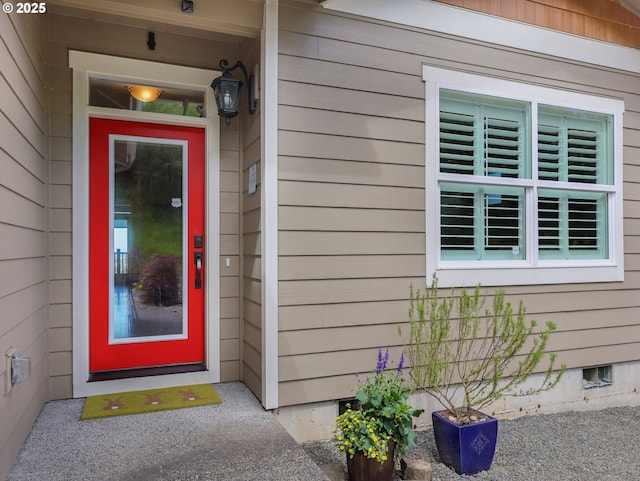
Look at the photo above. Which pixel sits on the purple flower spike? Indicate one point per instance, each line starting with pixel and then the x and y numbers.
pixel 401 363
pixel 382 361
pixel 379 367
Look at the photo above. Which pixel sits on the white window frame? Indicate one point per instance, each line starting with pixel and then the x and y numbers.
pixel 531 270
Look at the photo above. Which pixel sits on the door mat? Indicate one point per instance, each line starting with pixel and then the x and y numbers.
pixel 122 403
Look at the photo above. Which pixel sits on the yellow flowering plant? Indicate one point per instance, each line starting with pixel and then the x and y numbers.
pixel 360 433
pixel 382 414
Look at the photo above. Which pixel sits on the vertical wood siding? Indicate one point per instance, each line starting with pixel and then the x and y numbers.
pixel 352 200
pixel 23 226
pixel 604 20
pixel 66 33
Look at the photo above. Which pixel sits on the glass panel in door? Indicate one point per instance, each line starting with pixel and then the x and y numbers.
pixel 148 240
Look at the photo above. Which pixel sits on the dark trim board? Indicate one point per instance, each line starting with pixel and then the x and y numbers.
pixel 146 371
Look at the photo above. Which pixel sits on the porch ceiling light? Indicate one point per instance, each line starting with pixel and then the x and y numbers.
pixel 228 90
pixel 144 93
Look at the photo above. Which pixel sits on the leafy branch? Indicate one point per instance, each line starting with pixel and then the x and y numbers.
pixel 459 348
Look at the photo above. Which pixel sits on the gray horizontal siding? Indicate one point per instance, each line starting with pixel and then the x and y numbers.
pixel 352 200
pixel 23 196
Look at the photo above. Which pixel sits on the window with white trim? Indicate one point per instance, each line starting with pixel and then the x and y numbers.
pixel 524 183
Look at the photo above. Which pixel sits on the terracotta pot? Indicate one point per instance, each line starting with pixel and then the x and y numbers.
pixel 362 468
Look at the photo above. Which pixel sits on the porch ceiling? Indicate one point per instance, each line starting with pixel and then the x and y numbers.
pixel 225 20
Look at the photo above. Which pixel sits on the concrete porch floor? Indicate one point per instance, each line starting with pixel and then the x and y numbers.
pixel 234 441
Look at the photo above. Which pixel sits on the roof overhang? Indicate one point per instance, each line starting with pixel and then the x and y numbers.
pixel 438 17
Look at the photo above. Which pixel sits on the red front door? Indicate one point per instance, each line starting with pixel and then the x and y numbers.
pixel 146 253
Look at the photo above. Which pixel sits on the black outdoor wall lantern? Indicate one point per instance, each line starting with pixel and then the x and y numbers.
pixel 228 90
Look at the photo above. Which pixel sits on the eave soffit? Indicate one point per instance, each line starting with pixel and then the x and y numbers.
pixel 210 18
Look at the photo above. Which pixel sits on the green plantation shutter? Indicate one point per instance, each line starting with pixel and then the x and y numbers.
pixel 582 155
pixel 481 222
pixel 458 223
pixel 572 225
pixel 503 147
pixel 573 146
pixel 483 135
pixel 458 142
pixel 549 147
pixel 486 137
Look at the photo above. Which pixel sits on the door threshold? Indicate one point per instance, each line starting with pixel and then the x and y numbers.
pixel 145 372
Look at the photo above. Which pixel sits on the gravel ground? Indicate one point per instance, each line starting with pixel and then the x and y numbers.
pixel 572 446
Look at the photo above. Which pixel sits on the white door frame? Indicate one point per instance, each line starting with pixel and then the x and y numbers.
pixel 86 65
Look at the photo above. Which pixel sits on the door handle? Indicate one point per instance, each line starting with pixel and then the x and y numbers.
pixel 197 260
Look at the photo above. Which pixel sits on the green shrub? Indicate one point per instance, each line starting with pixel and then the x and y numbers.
pixel 459 349
pixel 161 280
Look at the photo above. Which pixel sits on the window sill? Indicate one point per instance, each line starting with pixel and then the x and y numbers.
pixel 451 275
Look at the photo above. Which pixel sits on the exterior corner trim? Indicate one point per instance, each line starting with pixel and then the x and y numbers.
pixel 269 211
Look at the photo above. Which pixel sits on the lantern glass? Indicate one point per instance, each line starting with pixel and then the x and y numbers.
pixel 227 93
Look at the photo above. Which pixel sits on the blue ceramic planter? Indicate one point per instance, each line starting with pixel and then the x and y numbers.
pixel 467 448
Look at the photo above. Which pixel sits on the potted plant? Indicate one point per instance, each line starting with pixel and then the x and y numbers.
pixel 379 426
pixel 467 356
